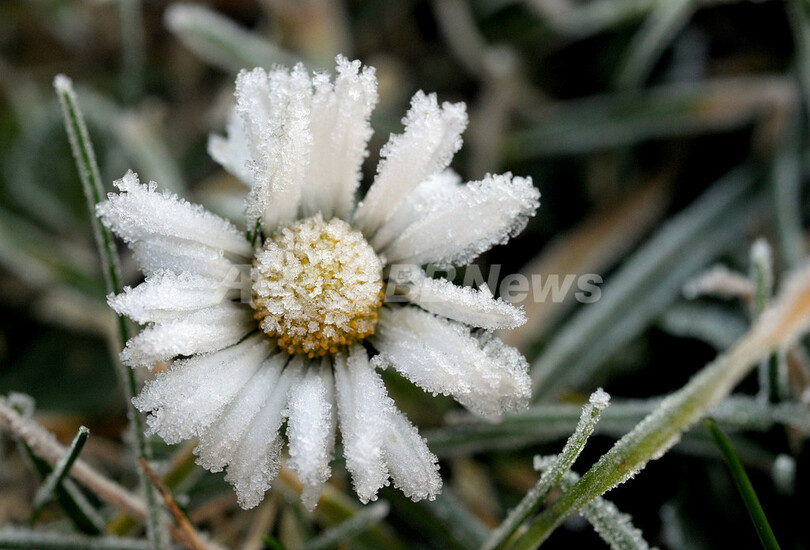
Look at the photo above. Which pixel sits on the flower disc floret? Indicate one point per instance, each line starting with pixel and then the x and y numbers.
pixel 317 286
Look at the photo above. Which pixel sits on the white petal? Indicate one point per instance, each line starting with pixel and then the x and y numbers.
pixel 138 212
pixel 233 152
pixel 341 128
pixel 219 442
pixel 441 356
pixel 431 138
pixel 257 460
pixel 202 331
pixel 275 111
pixel 166 296
pixel 434 190
pixel 169 254
pixel 414 469
pixel 185 399
pixel 311 430
pixel 516 386
pixel 363 410
pixel 464 304
pixel 480 215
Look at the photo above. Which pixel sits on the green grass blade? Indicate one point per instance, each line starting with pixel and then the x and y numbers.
pixel 798 12
pixel 85 157
pixel 665 21
pixel 744 486
pixel 615 528
pixel 61 469
pixel 272 542
pixel 548 422
pixel 70 498
pixel 552 475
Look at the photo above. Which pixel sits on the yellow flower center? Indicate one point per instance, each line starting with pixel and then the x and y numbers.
pixel 317 286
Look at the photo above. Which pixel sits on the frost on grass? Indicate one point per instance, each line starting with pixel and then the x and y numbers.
pixel 761 274
pixel 719 281
pixel 432 136
pixel 554 468
pixel 378 440
pixel 139 213
pixel 442 356
pixel 480 215
pixel 477 308
pixel 783 472
pixel 615 527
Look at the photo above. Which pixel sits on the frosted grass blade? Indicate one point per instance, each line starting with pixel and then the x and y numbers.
pixel 657 31
pixel 60 470
pixel 615 528
pixel 222 42
pixel 547 422
pixel 626 118
pixel 551 476
pixel 86 163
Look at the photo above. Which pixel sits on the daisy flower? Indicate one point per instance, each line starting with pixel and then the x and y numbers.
pixel 303 343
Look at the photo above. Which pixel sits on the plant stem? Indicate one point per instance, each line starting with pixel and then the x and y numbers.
pixel 86 163
pixel 744 486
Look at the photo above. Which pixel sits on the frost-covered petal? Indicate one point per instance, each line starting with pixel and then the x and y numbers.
pixel 341 128
pixel 479 215
pixel 311 430
pixel 275 110
pixel 218 443
pixel 201 331
pixel 432 136
pixel 138 213
pixel 257 460
pixel 414 469
pixel 436 189
pixel 166 296
pixel 363 410
pixel 178 256
pixel 185 399
pixel 441 356
pixel 233 152
pixel 478 308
